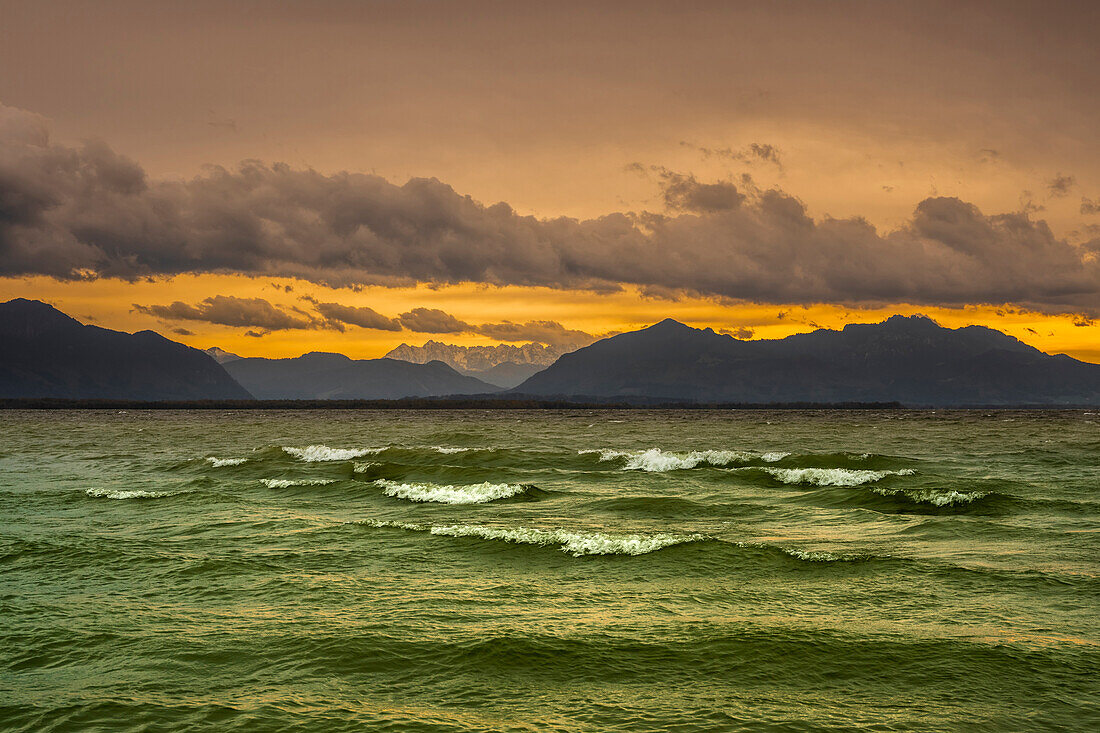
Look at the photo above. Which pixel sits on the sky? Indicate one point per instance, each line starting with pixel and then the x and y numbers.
pixel 281 177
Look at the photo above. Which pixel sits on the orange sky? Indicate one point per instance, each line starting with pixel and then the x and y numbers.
pixel 575 110
pixel 107 303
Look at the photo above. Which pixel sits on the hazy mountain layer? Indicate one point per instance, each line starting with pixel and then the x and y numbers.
pixel 911 360
pixel 48 354
pixel 334 376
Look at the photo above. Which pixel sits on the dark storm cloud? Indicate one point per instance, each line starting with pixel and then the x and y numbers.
pixel 227 310
pixel 88 212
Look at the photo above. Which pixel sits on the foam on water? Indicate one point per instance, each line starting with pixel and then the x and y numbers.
pixel 123 494
pixel 219 462
pixel 937 498
pixel 446 451
pixel 658 461
pixel 282 483
pixel 832 476
pixel 448 494
pixel 574 543
pixel 364 466
pixel 816 556
pixel 318 453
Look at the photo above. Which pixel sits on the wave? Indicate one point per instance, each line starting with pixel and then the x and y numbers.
pixel 574 543
pixel 283 483
pixel 447 451
pixel 935 497
pixel 831 476
pixel 319 453
pixel 219 462
pixel 447 494
pixel 821 556
pixel 124 494
pixel 656 460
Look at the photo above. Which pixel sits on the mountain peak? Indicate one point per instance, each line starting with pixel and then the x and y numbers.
pixel 670 325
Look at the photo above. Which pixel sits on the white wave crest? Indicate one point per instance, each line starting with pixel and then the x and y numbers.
pixel 832 476
pixel 773 456
pixel 440 494
pixel 938 498
pixel 811 556
pixel 364 466
pixel 575 543
pixel 656 460
pixel 122 494
pixel 219 462
pixel 446 451
pixel 282 483
pixel 318 453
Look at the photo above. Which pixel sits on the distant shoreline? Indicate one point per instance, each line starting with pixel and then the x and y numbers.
pixel 457 403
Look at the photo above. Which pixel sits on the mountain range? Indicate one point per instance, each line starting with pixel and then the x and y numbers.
pixel 48 354
pixel 912 360
pixel 503 365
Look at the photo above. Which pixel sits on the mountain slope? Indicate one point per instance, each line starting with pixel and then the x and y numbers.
pixel 48 354
pixel 911 360
pixel 334 376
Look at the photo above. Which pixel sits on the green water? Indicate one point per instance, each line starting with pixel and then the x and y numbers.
pixel 549 571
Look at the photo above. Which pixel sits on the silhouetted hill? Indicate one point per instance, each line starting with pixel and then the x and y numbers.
pixel 911 360
pixel 319 375
pixel 46 353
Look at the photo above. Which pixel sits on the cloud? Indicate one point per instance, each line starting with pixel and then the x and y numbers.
pixel 741 333
pixel 1060 185
pixel 357 316
pixel 432 320
pixel 85 212
pixel 183 332
pixel 227 310
pixel 1088 206
pixel 684 193
pixel 754 152
pixel 550 333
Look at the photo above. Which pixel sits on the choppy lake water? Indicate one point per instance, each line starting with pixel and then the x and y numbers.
pixel 549 571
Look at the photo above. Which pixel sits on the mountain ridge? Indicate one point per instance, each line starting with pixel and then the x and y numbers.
pixel 908 359
pixel 48 353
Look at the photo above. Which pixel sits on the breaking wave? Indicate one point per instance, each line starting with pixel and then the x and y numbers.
pixel 935 497
pixel 656 460
pixel 574 543
pixel 831 476
pixel 447 494
pixel 219 462
pixel 283 483
pixel 318 453
pixel 124 494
